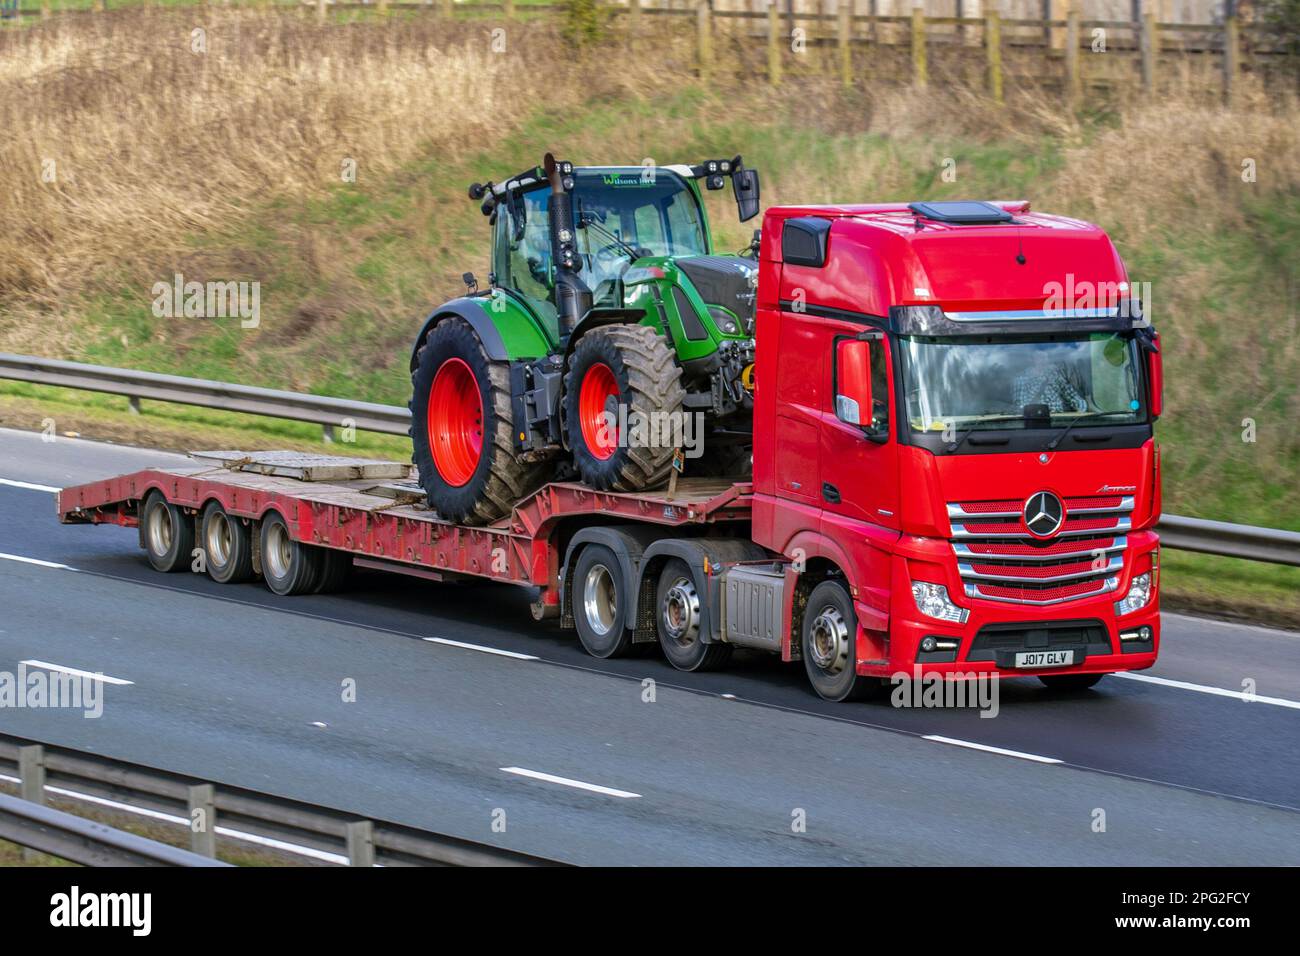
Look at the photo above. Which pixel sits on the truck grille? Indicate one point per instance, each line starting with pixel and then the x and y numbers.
pixel 999 560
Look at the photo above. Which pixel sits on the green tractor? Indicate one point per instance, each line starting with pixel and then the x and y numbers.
pixel 610 339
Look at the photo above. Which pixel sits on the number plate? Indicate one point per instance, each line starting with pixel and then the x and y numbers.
pixel 1045 659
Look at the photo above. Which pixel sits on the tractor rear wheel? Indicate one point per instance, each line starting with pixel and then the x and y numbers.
pixel 622 407
pixel 462 429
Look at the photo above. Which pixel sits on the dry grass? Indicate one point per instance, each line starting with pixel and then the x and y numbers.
pixel 151 142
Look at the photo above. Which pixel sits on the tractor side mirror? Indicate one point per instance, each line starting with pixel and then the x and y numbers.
pixel 744 183
pixel 1156 376
pixel 853 381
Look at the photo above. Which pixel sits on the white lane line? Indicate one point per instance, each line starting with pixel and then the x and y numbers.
pixel 566 782
pixel 36 561
pixel 76 672
pixel 1240 625
pixel 480 647
pixel 29 486
pixel 1216 691
pixel 993 750
pixel 184 821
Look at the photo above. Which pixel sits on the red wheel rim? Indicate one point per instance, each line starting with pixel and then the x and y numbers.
pixel 598 387
pixel 455 422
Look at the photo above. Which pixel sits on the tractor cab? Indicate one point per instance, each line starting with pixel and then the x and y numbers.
pixel 622 215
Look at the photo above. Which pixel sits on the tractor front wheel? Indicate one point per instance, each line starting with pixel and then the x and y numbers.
pixel 623 408
pixel 462 430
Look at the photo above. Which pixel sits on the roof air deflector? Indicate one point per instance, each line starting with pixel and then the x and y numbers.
pixel 961 213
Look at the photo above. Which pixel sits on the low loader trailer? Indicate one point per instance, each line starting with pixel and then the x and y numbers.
pixel 954 473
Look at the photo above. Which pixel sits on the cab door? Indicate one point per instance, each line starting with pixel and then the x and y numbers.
pixel 800 395
pixel 859 453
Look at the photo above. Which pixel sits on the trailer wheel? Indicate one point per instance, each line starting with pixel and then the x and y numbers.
pixel 227 546
pixel 677 616
pixel 1069 682
pixel 830 629
pixel 167 533
pixel 336 571
pixel 289 567
pixel 600 597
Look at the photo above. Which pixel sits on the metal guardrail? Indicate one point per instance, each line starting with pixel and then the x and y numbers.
pixel 204 393
pixel 1230 540
pixel 83 841
pixel 1222 538
pixel 249 817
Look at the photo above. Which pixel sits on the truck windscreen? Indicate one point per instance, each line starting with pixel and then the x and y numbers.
pixel 988 383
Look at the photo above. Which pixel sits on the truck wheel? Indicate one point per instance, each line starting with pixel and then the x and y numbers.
pixel 289 567
pixel 168 534
pixel 462 429
pixel 622 373
pixel 600 599
pixel 336 569
pixel 677 606
pixel 227 546
pixel 1068 682
pixel 830 629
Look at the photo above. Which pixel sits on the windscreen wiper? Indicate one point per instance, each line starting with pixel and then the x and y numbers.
pixel 997 418
pixel 587 222
pixel 1091 416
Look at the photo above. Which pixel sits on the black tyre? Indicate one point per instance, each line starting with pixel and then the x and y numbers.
pixel 600 599
pixel 462 432
pixel 627 372
pixel 336 569
pixel 167 533
pixel 289 567
pixel 677 616
pixel 1070 682
pixel 830 629
pixel 227 543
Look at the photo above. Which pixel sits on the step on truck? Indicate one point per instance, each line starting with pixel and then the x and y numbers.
pixel 954 472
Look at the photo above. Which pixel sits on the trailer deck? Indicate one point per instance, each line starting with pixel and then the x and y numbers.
pixel 375 511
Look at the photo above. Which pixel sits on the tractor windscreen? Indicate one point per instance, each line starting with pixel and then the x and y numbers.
pixel 621 216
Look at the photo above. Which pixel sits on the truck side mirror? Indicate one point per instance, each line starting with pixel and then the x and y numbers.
pixel 1156 376
pixel 853 381
pixel 744 183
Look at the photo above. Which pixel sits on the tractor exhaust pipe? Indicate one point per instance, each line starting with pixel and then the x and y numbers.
pixel 573 299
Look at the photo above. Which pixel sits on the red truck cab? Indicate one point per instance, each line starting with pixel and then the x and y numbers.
pixel 954 418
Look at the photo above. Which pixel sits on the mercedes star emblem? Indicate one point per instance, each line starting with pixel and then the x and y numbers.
pixel 1044 514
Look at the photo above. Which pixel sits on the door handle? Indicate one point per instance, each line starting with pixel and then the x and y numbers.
pixel 830 493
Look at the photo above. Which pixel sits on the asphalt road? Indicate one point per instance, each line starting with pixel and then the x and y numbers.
pixel 235 685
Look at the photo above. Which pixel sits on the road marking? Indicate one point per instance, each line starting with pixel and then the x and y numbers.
pixel 77 673
pixel 1240 625
pixel 566 782
pixel 36 561
pixel 254 838
pixel 1216 691
pixel 29 486
pixel 993 750
pixel 480 647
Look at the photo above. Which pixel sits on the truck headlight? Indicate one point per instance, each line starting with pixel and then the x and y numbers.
pixel 1139 592
pixel 932 600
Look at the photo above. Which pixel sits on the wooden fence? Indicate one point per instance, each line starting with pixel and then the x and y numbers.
pixel 1064 44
